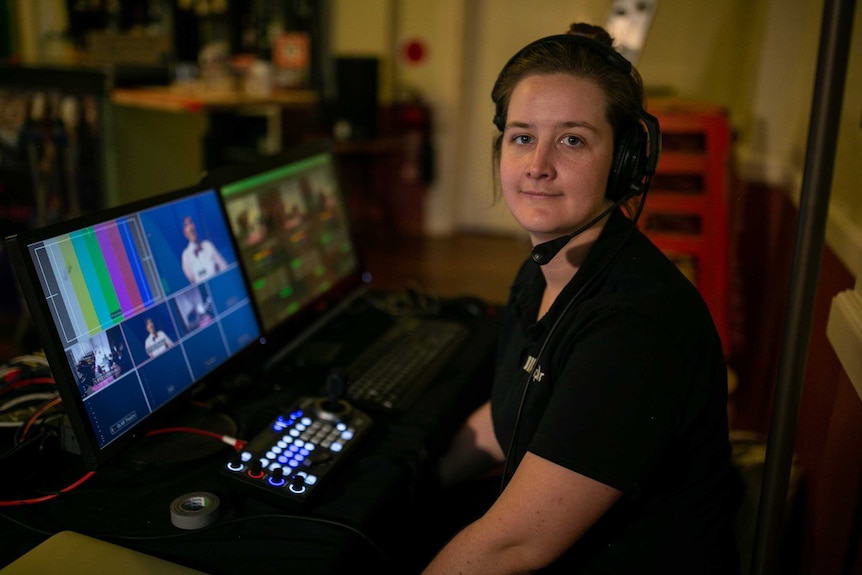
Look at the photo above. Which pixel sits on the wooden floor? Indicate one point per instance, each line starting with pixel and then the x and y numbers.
pixel 460 265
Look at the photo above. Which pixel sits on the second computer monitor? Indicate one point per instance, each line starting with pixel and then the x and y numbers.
pixel 292 230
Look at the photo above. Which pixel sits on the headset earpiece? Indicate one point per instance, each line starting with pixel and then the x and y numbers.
pixel 635 158
pixel 628 168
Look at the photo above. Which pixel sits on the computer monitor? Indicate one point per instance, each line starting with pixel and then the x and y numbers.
pixel 134 306
pixel 293 233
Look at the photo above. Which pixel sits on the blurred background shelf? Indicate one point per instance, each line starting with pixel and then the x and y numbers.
pixel 686 213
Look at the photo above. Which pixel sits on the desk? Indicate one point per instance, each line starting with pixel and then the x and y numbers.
pixel 197 97
pixel 366 517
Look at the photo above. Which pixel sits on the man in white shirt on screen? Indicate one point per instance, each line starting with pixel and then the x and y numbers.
pixel 157 341
pixel 201 260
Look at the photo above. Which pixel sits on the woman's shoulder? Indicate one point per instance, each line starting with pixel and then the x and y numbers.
pixel 643 280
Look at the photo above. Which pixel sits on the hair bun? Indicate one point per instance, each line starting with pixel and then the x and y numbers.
pixel 597 33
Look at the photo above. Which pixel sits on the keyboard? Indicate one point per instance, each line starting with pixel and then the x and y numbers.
pixel 393 372
pixel 291 458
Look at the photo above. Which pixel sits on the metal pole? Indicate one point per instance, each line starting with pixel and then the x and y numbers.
pixel 835 35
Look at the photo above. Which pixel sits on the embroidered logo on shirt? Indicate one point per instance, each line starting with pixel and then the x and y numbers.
pixel 530 366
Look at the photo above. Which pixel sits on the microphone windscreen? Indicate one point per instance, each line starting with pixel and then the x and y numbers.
pixel 540 255
pixel 545 252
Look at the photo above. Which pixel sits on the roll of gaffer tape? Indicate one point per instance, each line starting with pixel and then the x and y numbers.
pixel 194 510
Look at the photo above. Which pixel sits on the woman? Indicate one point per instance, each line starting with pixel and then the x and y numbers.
pixel 608 411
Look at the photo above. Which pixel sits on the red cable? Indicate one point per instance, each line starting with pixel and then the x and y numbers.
pixel 66 489
pixel 25 383
pixel 25 429
pixel 237 444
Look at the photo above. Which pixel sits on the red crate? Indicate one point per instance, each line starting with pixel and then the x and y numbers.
pixel 686 210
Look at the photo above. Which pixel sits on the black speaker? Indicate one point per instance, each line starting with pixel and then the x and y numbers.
pixel 355 111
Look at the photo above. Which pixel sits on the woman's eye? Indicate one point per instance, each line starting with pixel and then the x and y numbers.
pixel 522 139
pixel 572 140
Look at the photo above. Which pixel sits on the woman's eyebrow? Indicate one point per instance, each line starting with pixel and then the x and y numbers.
pixel 567 124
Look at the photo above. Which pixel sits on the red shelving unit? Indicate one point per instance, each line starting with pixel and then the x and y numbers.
pixel 686 211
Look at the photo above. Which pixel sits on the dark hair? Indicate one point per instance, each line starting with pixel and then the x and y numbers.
pixel 620 82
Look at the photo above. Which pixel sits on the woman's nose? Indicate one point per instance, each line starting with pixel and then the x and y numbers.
pixel 541 162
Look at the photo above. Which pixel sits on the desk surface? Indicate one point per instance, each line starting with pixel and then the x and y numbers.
pixel 365 516
pixel 197 97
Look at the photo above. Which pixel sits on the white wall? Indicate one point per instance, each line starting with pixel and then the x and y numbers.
pixel 756 58
pixel 696 48
pixel 780 93
pixel 468 42
pixel 440 78
pixel 775 147
pixel 844 227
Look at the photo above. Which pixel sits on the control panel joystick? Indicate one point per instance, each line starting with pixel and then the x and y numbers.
pixel 333 407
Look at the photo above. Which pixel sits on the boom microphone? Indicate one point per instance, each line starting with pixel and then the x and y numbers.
pixel 545 252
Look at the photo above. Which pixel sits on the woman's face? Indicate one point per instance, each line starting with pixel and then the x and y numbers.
pixel 556 155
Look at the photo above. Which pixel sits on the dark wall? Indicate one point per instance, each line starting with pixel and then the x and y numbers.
pixel 829 436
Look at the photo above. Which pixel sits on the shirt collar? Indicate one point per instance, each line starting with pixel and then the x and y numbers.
pixel 526 300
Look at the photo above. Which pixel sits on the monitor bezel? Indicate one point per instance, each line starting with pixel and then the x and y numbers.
pixel 85 441
pixel 297 325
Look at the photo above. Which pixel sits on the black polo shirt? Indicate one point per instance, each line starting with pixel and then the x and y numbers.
pixel 624 381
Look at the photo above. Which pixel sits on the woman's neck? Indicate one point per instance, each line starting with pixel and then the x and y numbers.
pixel 563 267
pixel 558 273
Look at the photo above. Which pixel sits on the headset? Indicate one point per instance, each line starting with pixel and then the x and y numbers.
pixel 636 153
